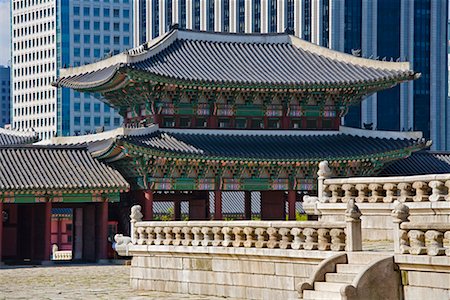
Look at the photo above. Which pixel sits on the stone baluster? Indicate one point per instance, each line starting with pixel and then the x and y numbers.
pixel 326 194
pixel 274 238
pixel 207 236
pixel 335 193
pixel 188 237
pixel 311 242
pixel 142 235
pixel 249 237
pixel 376 190
pixel 400 215
pixel 421 191
pixel 218 236
pixel 227 237
pixel 417 242
pixel 160 236
pixel 238 237
pixel 298 238
pixel 198 236
pixel 168 239
pixel 362 189
pixel 349 192
pixel 405 192
pixel 323 239
pixel 390 189
pixel 323 173
pixel 150 231
pixel 337 239
pixel 437 190
pixel 447 243
pixel 286 238
pixel 135 216
pixel 434 241
pixel 261 238
pixel 353 227
pixel 177 236
pixel 447 196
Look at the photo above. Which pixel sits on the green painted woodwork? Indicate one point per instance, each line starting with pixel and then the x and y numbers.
pixel 24 198
pixel 68 198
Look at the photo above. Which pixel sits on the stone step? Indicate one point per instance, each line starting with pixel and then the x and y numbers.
pixel 329 286
pixel 339 277
pixel 365 258
pixel 349 268
pixel 317 295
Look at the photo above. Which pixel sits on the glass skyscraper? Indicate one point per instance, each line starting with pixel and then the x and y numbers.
pixel 405 30
pixel 50 34
pixel 5 95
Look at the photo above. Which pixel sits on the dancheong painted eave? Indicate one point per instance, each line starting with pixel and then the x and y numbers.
pixel 215 60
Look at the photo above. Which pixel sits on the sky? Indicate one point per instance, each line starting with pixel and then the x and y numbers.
pixel 4 32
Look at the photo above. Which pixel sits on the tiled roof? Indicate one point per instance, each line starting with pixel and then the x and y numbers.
pixel 34 168
pixel 12 137
pixel 246 59
pixel 419 163
pixel 277 146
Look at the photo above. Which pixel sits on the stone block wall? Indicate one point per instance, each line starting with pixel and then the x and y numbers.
pixel 263 274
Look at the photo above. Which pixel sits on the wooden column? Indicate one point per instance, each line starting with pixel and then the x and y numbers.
pixel 103 231
pixel 148 205
pixel 292 195
pixel 1 231
pixel 218 205
pixel 248 205
pixel 48 231
pixel 177 210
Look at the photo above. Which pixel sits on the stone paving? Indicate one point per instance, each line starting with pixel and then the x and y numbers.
pixel 74 282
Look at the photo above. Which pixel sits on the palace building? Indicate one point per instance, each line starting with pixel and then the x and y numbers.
pixel 214 112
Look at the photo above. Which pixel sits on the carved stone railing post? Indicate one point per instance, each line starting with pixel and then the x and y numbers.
pixel 135 216
pixel 323 239
pixel 348 192
pixel 362 189
pixel 177 231
pixel 390 189
pixel 437 190
pixel 262 238
pixel 405 192
pixel 207 236
pixel 160 236
pixel 198 236
pixel 151 236
pixel 376 190
pixel 188 237
pixel 434 240
pixel 353 229
pixel 227 232
pixel 447 185
pixel 238 237
pixel 335 190
pixel 218 236
pixel 447 239
pixel 273 237
pixel 400 214
pixel 323 173
pixel 286 238
pixel 168 239
pixel 298 238
pixel 142 236
pixel 249 237
pixel 417 242
pixel 421 191
pixel 337 239
pixel 311 242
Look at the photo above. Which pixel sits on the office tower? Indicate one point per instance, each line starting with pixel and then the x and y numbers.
pixel 411 30
pixel 5 95
pixel 50 34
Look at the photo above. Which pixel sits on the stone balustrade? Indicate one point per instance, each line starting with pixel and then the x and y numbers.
pixel 307 235
pixel 418 238
pixel 62 255
pixel 418 188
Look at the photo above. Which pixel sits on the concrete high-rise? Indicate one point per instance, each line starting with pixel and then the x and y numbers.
pixel 5 95
pixel 50 34
pixel 412 30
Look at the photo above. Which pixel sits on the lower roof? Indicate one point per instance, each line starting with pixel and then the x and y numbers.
pixel 419 163
pixel 13 137
pixel 55 169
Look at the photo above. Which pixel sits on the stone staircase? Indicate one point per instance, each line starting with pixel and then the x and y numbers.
pixel 354 276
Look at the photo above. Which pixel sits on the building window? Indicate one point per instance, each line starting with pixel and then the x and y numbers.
pixel 126 41
pixel 106 40
pixel 106 26
pixel 96 25
pixel 86 11
pixel 256 15
pixel 76 38
pixel 155 18
pixel 325 22
pixel 76 106
pixel 126 27
pixel 97 121
pixel 241 16
pixel 290 15
pixel 76 11
pixel 87 107
pixel 226 15
pixel 87 39
pixel 76 121
pixel 196 15
pixel 106 12
pixel 116 26
pixel 96 12
pixel 168 14
pixel 96 39
pixel 86 25
pixel 126 13
pixel 116 13
pixel 182 14
pixel 210 15
pixel 76 24
pixel 87 121
pixel 272 16
pixel 307 20
pixel 116 121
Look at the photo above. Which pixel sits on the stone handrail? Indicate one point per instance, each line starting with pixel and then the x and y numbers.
pixel 419 238
pixel 382 189
pixel 307 235
pixel 62 255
